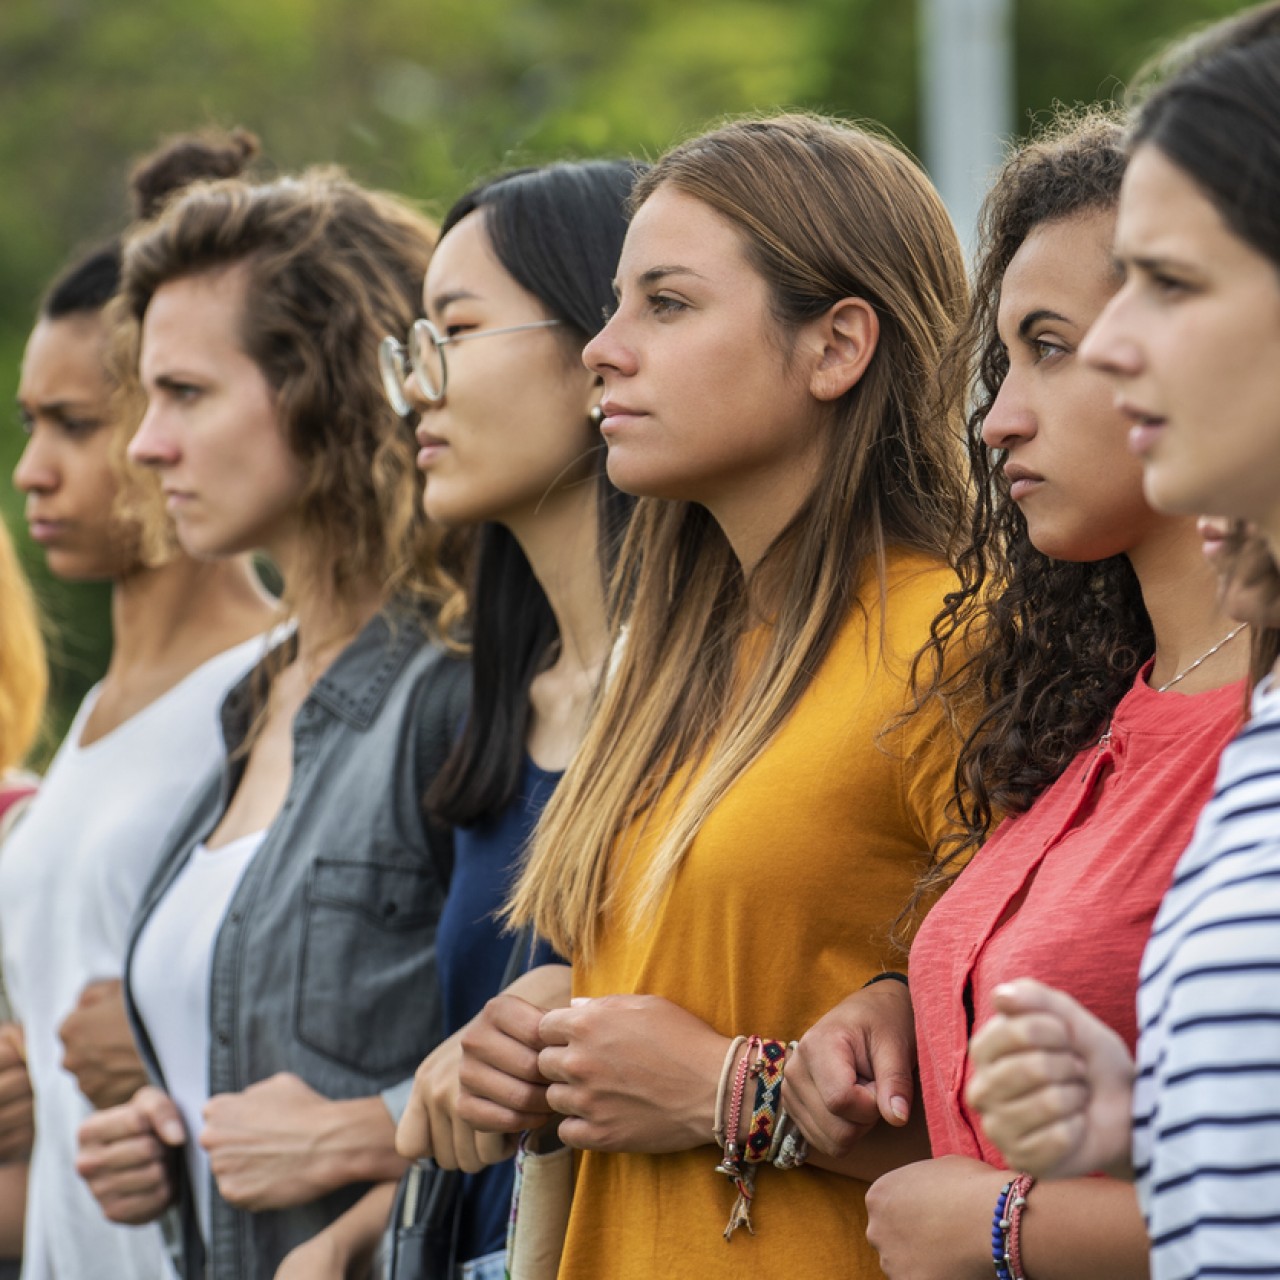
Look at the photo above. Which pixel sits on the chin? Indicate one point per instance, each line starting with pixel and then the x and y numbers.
pixel 1164 493
pixel 71 566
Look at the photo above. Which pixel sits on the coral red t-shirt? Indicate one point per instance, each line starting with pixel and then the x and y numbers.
pixel 1066 892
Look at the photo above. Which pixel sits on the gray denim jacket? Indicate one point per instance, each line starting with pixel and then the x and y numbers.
pixel 325 961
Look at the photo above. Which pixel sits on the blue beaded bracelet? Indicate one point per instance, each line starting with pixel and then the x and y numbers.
pixel 1004 1222
pixel 1000 1234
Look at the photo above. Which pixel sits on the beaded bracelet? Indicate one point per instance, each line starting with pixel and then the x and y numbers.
pixel 731 1165
pixel 717 1132
pixel 1021 1187
pixel 1006 1228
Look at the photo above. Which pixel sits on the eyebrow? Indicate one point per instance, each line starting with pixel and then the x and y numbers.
pixel 1155 263
pixel 58 407
pixel 445 300
pixel 172 380
pixel 1033 318
pixel 655 274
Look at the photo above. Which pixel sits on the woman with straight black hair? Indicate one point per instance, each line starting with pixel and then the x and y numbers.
pixel 509 445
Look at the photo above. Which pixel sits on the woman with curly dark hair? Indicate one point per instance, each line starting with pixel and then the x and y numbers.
pixel 1102 681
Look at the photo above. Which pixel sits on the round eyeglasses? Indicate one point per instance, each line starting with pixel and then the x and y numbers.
pixel 423 358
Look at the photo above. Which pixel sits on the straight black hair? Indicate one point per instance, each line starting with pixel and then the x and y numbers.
pixel 558 233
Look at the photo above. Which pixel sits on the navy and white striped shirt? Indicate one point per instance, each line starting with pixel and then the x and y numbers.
pixel 1206 1128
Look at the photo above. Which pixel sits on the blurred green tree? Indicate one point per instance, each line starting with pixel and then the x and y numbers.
pixel 424 96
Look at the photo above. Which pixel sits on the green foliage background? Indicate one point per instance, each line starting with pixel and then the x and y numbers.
pixel 424 96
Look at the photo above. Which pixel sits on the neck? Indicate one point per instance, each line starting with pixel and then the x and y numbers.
pixel 155 611
pixel 753 514
pixel 1181 593
pixel 324 622
pixel 561 543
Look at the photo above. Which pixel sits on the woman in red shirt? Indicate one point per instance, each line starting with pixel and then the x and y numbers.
pixel 1107 681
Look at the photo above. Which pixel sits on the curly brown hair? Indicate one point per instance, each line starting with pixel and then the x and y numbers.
pixel 331 268
pixel 1036 652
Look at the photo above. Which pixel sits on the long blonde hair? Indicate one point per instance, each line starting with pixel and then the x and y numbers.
pixel 826 211
pixel 24 672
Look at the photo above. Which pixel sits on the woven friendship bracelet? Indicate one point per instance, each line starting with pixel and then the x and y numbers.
pixel 768 1069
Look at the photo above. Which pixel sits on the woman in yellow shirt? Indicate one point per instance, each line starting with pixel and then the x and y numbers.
pixel 747 815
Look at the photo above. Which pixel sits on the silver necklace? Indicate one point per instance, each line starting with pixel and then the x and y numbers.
pixel 1105 740
pixel 1204 657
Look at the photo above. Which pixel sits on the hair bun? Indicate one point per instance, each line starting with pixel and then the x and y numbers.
pixel 188 158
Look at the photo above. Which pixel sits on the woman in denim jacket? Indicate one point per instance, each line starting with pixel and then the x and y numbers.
pixel 281 972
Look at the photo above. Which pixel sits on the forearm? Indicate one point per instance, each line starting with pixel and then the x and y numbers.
pixel 13 1202
pixel 356 1233
pixel 882 1148
pixel 1084 1227
pixel 357 1144
pixel 549 986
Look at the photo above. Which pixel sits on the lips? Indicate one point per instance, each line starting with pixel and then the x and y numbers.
pixel 617 415
pixel 429 448
pixel 1022 480
pixel 1145 429
pixel 43 530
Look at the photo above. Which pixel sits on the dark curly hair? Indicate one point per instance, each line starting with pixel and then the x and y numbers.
pixel 1033 653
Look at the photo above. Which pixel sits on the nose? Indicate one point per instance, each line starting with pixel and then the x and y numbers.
pixel 152 445
pixel 37 469
pixel 419 402
pixel 608 351
pixel 1110 345
pixel 1010 419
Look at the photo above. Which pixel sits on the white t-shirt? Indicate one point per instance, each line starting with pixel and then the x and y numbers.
pixel 170 975
pixel 1206 1127
pixel 71 876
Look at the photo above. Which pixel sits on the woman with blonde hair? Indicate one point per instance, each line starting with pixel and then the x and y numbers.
pixel 747 814
pixel 281 972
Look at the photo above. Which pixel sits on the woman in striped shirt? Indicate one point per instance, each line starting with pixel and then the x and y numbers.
pixel 1193 343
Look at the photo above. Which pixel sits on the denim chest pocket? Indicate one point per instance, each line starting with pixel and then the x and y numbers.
pixel 368 994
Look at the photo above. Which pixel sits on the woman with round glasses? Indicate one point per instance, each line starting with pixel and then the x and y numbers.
pixel 424 359
pixel 281 973
pixel 510 446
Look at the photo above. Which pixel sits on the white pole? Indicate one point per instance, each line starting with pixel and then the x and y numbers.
pixel 967 89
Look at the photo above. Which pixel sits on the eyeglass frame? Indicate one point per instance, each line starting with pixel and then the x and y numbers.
pixel 396 359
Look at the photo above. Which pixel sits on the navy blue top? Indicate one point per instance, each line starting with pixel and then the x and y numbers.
pixel 472 955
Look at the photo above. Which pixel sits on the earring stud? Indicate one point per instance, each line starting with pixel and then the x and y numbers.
pixel 596 416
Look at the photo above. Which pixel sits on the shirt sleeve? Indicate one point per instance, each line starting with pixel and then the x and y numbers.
pixel 1214 1176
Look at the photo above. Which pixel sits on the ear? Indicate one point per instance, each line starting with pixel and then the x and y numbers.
pixel 843 340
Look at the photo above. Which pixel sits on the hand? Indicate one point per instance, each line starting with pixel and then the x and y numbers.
pixel 932 1220
pixel 125 1154
pixel 500 1087
pixel 431 1126
pixel 1054 1085
pixel 631 1073
pixel 17 1116
pixel 98 1046
pixel 280 1144
pixel 852 1067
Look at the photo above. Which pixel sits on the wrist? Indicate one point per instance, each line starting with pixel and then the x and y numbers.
pixel 355 1143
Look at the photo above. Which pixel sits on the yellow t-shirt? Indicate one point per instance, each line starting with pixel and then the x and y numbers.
pixel 780 909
